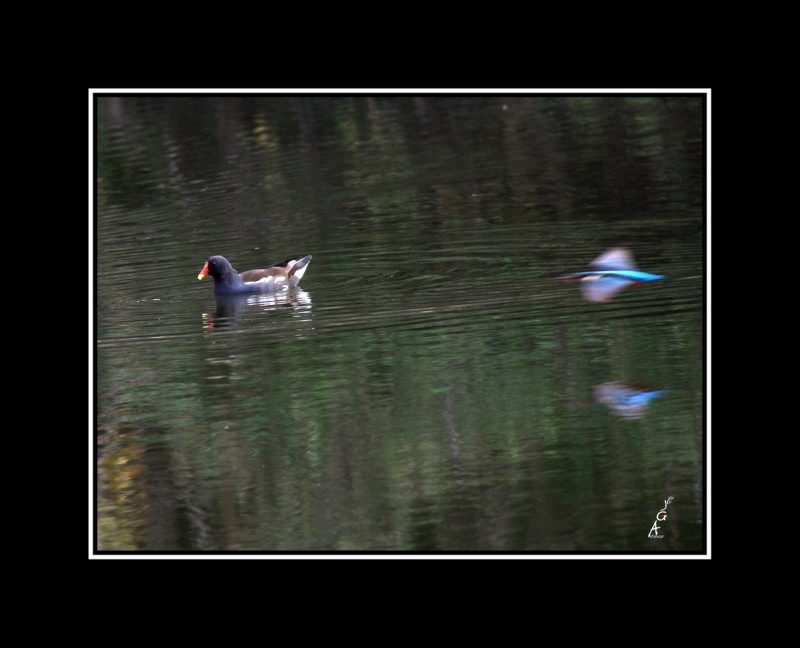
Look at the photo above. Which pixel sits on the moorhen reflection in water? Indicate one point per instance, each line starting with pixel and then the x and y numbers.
pixel 229 307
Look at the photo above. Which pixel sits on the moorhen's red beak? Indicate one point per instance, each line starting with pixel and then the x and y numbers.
pixel 204 271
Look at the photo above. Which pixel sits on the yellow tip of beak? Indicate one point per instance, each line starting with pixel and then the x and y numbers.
pixel 200 276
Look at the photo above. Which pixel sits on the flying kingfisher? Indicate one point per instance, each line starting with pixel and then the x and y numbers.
pixel 615 270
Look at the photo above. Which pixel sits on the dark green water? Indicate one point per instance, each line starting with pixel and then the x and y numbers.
pixel 427 387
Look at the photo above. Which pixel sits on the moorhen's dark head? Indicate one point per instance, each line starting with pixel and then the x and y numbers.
pixel 216 266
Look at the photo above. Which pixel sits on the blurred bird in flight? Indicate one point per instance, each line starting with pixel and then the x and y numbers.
pixel 613 271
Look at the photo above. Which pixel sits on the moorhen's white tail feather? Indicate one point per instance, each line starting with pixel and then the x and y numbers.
pixel 298 270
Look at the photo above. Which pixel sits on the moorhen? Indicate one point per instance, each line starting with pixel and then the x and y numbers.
pixel 228 282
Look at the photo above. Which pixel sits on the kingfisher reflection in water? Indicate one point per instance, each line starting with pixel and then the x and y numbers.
pixel 628 400
pixel 614 271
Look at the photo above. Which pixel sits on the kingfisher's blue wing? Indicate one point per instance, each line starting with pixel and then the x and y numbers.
pixel 615 259
pixel 600 288
pixel 633 275
pixel 643 398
